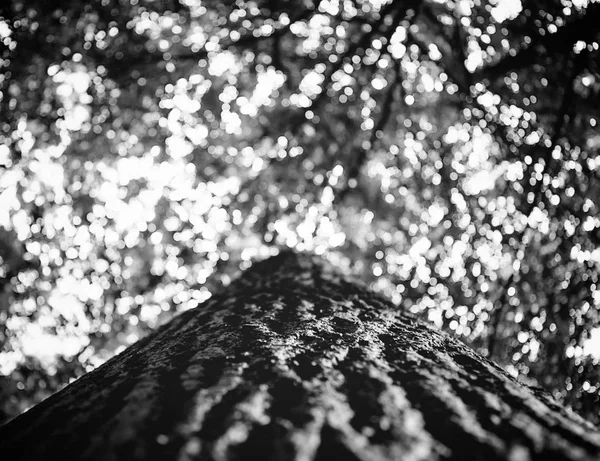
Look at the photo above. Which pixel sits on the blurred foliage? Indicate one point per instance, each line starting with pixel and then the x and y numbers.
pixel 446 152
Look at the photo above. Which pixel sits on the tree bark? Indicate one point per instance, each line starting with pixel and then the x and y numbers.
pixel 294 362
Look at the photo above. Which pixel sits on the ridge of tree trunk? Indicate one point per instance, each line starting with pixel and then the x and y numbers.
pixel 294 362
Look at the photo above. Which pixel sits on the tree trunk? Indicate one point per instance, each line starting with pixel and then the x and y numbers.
pixel 294 362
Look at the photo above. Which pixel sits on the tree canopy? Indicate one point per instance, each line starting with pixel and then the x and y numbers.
pixel 446 152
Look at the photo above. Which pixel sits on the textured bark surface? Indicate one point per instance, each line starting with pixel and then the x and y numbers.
pixel 292 362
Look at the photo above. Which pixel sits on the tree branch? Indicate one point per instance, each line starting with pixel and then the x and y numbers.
pixel 585 28
pixel 578 64
pixel 363 152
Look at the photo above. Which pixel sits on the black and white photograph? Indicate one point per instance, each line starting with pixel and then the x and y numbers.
pixel 300 230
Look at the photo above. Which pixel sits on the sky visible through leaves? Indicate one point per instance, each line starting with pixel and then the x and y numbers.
pixel 444 152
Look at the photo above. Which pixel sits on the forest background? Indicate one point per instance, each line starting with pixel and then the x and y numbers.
pixel 444 152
